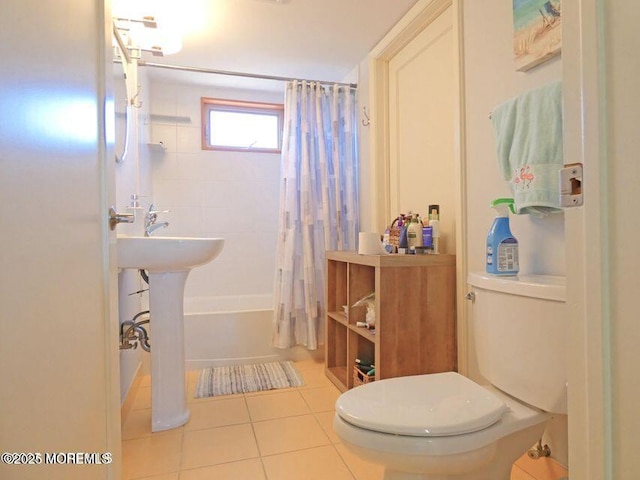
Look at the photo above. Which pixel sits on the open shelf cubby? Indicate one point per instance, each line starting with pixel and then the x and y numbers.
pixel 415 316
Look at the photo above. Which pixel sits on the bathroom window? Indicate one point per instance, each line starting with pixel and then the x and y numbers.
pixel 241 126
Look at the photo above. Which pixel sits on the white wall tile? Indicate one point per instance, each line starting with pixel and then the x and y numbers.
pixel 188 104
pixel 213 167
pixel 233 195
pixel 163 100
pixel 166 167
pixel 177 193
pixel 165 134
pixel 188 139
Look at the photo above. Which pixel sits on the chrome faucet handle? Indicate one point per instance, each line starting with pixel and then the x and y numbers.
pixel 149 219
pixel 115 218
pixel 153 211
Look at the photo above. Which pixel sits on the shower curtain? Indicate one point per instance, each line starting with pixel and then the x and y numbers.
pixel 318 205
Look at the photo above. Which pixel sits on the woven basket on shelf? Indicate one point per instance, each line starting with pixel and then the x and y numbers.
pixel 360 378
pixel 394 233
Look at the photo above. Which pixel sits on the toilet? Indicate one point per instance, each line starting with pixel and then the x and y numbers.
pixel 444 426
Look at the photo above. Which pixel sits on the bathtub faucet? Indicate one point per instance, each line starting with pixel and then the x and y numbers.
pixel 150 219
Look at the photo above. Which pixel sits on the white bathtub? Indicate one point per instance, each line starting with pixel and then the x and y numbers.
pixel 231 330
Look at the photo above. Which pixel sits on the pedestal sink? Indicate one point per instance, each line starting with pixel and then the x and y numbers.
pixel 168 261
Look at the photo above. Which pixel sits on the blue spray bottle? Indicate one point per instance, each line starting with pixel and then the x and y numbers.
pixel 502 246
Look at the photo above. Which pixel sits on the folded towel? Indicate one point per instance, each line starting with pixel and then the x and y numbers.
pixel 528 132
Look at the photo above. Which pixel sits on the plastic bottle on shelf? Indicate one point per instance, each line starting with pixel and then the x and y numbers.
pixel 414 233
pixel 434 223
pixel 402 241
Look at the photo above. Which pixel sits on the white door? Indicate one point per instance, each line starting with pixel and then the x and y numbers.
pixel 58 346
pixel 421 127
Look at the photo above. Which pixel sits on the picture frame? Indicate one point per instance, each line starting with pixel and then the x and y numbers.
pixel 537 32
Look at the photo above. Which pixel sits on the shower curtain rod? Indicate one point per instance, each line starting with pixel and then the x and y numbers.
pixel 144 63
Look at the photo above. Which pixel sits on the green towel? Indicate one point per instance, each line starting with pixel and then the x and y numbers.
pixel 528 131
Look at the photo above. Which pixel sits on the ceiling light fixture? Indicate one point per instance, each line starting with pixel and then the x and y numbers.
pixel 145 35
pixel 148 21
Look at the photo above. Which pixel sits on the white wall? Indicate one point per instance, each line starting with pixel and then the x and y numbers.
pixel 367 194
pixel 490 79
pixel 233 195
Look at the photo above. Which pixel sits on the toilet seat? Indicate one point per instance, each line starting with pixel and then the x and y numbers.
pixel 435 405
pixel 517 417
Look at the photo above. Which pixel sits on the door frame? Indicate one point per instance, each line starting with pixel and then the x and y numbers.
pixel 423 13
pixel 585 141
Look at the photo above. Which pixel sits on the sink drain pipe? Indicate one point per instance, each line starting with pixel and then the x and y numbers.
pixel 132 333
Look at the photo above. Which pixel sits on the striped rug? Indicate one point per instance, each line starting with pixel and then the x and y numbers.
pixel 227 380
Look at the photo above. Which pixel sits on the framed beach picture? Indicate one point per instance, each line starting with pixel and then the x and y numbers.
pixel 537 32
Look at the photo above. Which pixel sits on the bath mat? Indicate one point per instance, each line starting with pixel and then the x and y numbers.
pixel 216 381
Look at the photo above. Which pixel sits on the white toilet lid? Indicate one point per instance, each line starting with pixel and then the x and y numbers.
pixel 434 405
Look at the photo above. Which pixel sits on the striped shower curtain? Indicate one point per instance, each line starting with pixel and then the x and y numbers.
pixel 318 205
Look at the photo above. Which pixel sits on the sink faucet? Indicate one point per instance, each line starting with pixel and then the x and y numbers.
pixel 150 218
pixel 152 228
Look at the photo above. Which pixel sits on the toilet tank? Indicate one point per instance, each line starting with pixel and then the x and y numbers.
pixel 519 328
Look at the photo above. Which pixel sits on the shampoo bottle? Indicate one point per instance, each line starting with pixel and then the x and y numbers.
pixel 502 246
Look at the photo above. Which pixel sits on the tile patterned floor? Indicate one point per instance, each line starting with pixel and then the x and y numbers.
pixel 275 435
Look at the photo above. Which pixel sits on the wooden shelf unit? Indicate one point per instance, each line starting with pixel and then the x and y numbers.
pixel 415 303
